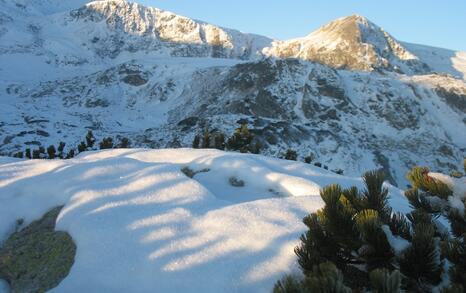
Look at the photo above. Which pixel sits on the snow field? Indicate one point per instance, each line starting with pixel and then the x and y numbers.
pixel 141 225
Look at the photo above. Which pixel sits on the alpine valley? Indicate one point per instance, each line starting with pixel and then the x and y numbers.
pixel 350 93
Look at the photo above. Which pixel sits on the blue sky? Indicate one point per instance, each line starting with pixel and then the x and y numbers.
pixel 430 22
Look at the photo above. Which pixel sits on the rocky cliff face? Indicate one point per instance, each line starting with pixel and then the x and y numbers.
pixel 349 92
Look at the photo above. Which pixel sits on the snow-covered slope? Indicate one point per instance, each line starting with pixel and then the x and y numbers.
pixel 441 60
pixel 121 69
pixel 141 225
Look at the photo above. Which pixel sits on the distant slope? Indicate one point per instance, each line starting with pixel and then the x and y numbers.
pixel 441 60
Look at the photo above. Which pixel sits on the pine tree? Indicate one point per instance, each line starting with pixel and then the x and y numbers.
pixel 288 284
pixel 61 149
pixel 219 141
pixel 384 281
pixel 206 139
pixel 90 139
pixel 291 155
pixel 82 147
pixel 106 143
pixel 196 141
pixel 124 143
pixel 348 230
pixel 241 140
pixel 420 179
pixel 36 154
pixel 19 155
pixel 375 195
pixel 51 151
pixel 325 278
pixel 310 158
pixel 28 153
pixel 256 148
pixel 421 262
pixel 70 154
pixel 455 251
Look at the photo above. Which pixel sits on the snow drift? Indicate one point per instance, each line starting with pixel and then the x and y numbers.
pixel 141 225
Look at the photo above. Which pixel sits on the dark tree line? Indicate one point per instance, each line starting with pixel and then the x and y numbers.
pixel 87 144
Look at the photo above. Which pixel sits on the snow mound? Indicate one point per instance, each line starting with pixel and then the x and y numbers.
pixel 142 225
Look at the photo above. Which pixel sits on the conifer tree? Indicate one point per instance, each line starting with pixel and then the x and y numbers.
pixel 28 153
pixel 291 155
pixel 206 139
pixel 19 155
pixel 70 154
pixel 124 143
pixel 106 143
pixel 90 139
pixel 310 158
pixel 51 151
pixel 384 281
pixel 352 232
pixel 196 141
pixel 241 140
pixel 420 262
pixel 61 149
pixel 219 141
pixel 82 147
pixel 36 154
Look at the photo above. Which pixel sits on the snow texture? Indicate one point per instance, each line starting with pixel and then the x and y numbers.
pixel 141 225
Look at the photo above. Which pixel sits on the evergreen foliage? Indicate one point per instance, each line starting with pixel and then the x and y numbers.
pixel 243 141
pixel 61 149
pixel 51 151
pixel 323 278
pixel 90 139
pixel 28 153
pixel 352 232
pixel 310 158
pixel 421 262
pixel 36 154
pixel 196 142
pixel 124 143
pixel 291 155
pixel 70 154
pixel 206 139
pixel 420 179
pixel 106 143
pixel 384 281
pixel 219 141
pixel 288 284
pixel 375 195
pixel 82 147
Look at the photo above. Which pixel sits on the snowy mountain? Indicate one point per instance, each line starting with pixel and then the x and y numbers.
pixel 350 92
pixel 351 43
pixel 141 225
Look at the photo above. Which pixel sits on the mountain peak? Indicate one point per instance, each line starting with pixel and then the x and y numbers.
pixel 351 42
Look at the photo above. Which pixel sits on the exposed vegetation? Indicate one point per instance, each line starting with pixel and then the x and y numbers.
pixel 349 245
pixel 36 258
